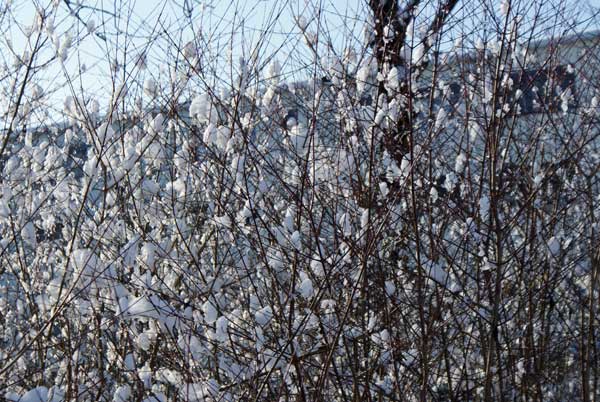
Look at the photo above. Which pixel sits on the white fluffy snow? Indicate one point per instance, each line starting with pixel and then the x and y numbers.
pixel 263 316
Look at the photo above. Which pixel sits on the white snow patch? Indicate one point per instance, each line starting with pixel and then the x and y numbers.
pixel 210 312
pixel 263 316
pixel 38 394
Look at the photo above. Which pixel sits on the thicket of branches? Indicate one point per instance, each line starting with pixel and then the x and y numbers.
pixel 394 203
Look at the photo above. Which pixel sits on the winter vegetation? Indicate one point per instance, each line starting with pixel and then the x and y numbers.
pixel 396 201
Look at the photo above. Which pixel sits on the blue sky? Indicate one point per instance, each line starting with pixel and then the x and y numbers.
pixel 217 18
pixel 216 23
